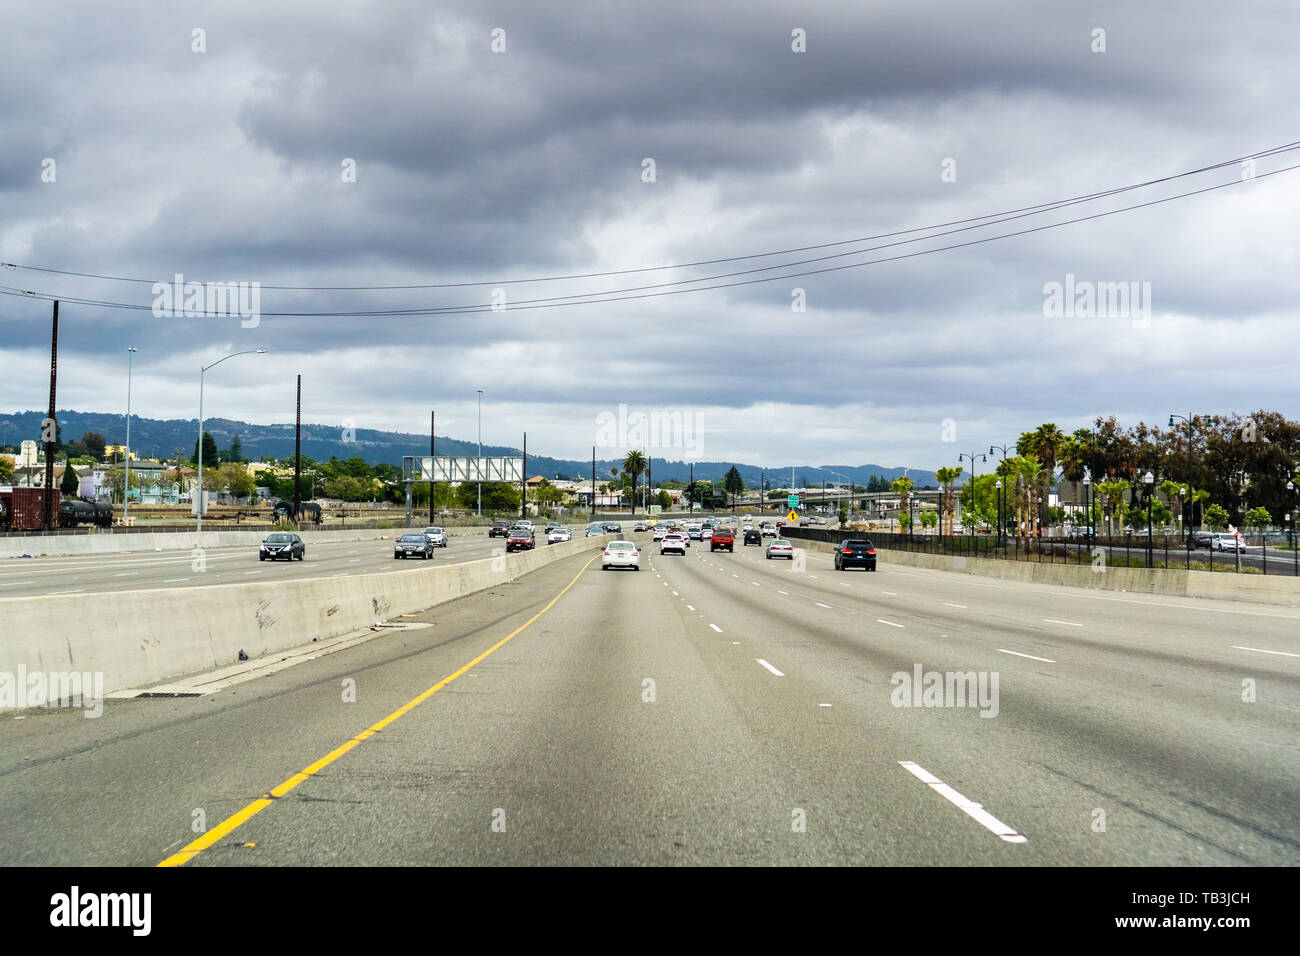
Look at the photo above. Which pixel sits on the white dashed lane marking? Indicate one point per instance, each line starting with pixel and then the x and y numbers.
pixel 770 667
pixel 1030 656
pixel 969 807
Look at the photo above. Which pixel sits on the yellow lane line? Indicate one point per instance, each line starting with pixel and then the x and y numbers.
pixel 231 823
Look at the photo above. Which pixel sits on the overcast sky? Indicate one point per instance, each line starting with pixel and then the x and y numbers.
pixel 132 146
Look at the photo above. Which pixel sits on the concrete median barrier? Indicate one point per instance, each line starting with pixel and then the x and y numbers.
pixel 139 638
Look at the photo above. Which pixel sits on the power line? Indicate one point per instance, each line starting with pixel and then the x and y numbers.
pixel 644 292
pixel 995 217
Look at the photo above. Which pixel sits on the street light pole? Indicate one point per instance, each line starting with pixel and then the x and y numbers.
pixel 1149 480
pixel 126 501
pixel 478 467
pixel 1295 551
pixel 998 486
pixel 1186 504
pixel 974 489
pixel 202 497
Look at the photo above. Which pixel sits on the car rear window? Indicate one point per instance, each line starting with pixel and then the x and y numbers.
pixel 856 544
pixel 621 546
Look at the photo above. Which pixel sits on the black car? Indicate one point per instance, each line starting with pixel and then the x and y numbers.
pixel 282 544
pixel 753 536
pixel 1203 539
pixel 855 553
pixel 499 529
pixel 410 545
pixel 613 527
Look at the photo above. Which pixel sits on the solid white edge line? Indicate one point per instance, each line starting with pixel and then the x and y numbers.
pixel 950 604
pixel 1030 656
pixel 770 667
pixel 972 809
pixel 1052 620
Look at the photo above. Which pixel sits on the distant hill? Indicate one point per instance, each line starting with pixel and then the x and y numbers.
pixel 152 438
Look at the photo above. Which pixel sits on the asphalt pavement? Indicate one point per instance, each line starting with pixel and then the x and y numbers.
pixel 716 708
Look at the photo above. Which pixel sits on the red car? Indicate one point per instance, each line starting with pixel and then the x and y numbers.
pixel 723 538
pixel 520 539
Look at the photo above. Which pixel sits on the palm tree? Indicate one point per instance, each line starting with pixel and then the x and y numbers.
pixel 1112 493
pixel 617 485
pixel 903 487
pixel 635 465
pixel 946 478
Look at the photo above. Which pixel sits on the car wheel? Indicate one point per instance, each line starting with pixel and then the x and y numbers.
pixel 261 557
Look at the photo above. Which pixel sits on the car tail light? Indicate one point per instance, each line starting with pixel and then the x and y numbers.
pixel 847 551
pixel 872 551
pixel 607 554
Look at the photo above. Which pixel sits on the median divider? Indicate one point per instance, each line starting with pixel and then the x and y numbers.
pixel 140 638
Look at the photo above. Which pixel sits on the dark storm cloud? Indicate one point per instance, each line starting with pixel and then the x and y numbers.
pixel 473 165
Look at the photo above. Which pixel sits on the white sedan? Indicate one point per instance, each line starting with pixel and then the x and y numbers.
pixel 621 554
pixel 557 535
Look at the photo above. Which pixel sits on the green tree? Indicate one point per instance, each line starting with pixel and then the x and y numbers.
pixel 665 500
pixel 6 469
pixel 929 519
pixel 1216 517
pixel 903 487
pixel 734 484
pixel 211 457
pixel 69 485
pixel 947 500
pixel 236 450
pixel 1258 518
pixel 635 465
pixel 115 479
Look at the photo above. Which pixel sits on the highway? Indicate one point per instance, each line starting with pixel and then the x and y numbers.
pixel 709 709
pixel 21 577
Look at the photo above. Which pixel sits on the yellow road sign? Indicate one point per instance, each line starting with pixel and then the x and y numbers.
pixel 792 516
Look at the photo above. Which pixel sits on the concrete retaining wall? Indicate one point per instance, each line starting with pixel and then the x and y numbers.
pixel 139 638
pixel 1255 588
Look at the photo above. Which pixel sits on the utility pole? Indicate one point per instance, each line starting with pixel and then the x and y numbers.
pixel 523 482
pixel 593 481
pixel 297 457
pixel 52 425
pixel 432 421
pixel 126 501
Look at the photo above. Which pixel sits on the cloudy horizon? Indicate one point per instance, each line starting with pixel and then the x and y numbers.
pixel 477 144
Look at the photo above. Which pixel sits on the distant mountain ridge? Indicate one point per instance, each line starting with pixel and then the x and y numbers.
pixel 155 438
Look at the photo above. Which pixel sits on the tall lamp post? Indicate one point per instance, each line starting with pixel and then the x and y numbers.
pixel 974 488
pixel 1149 480
pixel 203 500
pixel 479 465
pixel 997 485
pixel 1295 552
pixel 126 501
pixel 1087 503
pixel 1187 524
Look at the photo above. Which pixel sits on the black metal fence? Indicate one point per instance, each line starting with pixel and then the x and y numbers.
pixel 1132 550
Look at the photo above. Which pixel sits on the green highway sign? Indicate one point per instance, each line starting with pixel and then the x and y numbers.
pixel 792 501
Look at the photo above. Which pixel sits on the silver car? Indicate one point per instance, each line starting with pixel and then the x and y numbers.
pixel 437 537
pixel 557 535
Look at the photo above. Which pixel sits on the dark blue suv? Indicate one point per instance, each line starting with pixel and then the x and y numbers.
pixel 855 553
